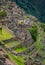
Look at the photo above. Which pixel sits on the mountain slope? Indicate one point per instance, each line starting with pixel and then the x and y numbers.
pixel 33 7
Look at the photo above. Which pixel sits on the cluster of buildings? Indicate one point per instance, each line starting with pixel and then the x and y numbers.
pixel 18 22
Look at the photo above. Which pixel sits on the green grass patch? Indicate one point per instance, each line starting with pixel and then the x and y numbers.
pixel 39 44
pixel 5 35
pixel 16 59
pixel 20 49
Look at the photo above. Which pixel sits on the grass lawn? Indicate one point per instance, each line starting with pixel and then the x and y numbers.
pixel 5 35
pixel 16 59
pixel 20 49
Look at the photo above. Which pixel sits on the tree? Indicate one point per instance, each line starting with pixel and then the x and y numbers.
pixel 33 32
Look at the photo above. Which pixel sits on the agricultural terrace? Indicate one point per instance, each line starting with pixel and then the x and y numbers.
pixel 5 35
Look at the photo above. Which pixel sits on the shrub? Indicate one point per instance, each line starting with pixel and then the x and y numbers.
pixel 2 14
pixel 33 32
pixel 43 26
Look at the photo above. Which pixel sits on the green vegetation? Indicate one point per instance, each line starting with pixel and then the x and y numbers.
pixel 43 26
pixel 20 49
pixel 0 30
pixel 2 14
pixel 5 34
pixel 33 32
pixel 13 48
pixel 39 45
pixel 37 34
pixel 26 17
pixel 16 59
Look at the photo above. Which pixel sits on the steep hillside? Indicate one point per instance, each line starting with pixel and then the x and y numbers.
pixel 34 7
